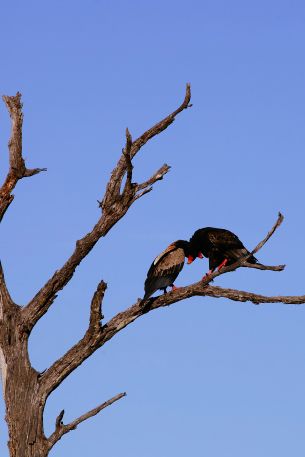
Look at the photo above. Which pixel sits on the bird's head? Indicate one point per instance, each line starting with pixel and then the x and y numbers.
pixel 185 245
pixel 194 253
pixel 190 250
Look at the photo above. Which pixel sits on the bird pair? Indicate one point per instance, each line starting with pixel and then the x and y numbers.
pixel 220 246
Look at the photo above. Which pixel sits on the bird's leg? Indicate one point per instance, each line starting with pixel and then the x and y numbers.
pixel 174 287
pixel 164 290
pixel 223 264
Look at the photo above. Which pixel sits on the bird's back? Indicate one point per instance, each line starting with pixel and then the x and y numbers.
pixel 164 270
pixel 217 241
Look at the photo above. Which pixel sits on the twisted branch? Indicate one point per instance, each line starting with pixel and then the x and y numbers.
pixel 94 340
pixel 96 314
pixel 17 168
pixel 114 205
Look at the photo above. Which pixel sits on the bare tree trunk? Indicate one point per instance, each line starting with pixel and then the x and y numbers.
pixel 24 414
pixel 21 386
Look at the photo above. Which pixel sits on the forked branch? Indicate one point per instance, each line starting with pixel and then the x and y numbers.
pixel 92 341
pixel 61 429
pixel 115 204
pixel 117 200
pixel 242 262
pixel 17 168
pixel 6 301
pixel 146 186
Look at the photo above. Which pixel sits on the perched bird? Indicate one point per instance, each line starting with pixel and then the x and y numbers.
pixel 221 246
pixel 166 267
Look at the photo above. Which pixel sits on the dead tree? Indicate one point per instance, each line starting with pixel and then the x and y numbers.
pixel 25 390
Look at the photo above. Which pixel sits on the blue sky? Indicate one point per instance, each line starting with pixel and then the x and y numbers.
pixel 204 377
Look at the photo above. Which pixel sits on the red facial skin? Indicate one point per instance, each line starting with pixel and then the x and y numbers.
pixel 191 259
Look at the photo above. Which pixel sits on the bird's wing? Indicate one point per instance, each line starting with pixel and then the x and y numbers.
pixel 164 270
pixel 229 244
pixel 170 261
pixel 169 248
pixel 215 258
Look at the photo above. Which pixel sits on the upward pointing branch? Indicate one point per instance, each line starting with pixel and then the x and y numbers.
pixel 62 429
pixel 17 168
pixel 115 204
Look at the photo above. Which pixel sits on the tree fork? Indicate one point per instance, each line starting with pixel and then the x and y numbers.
pixel 25 390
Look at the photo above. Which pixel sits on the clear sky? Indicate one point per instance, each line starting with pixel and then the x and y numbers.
pixel 204 377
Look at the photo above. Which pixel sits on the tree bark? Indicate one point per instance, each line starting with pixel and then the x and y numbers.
pixel 24 389
pixel 21 387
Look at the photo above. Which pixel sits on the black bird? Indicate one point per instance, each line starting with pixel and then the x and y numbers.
pixel 166 267
pixel 221 246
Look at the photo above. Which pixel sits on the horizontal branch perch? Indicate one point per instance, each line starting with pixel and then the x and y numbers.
pixel 90 343
pixel 260 266
pixel 242 296
pixel 93 340
pixel 242 262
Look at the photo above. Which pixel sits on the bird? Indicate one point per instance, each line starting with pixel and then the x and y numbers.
pixel 221 246
pixel 166 267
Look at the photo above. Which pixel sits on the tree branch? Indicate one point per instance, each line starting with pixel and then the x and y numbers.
pixel 162 125
pixel 17 168
pixel 242 262
pixel 62 429
pixel 260 266
pixel 114 205
pixel 129 166
pixel 96 314
pixel 6 301
pixel 94 340
pixel 146 186
pixel 242 296
pixel 87 346
pixel 278 222
pixel 114 184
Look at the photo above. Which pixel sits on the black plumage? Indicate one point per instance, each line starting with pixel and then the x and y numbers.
pixel 221 246
pixel 166 267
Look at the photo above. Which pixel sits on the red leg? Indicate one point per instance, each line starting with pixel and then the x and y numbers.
pixel 223 264
pixel 174 287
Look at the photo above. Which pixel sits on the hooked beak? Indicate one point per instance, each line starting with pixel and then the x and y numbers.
pixel 190 259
